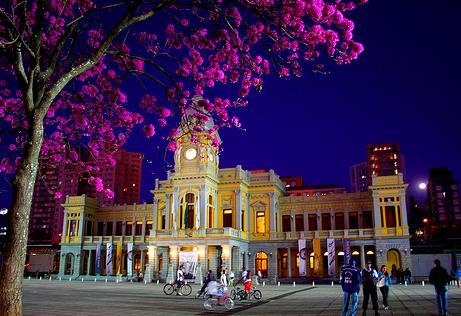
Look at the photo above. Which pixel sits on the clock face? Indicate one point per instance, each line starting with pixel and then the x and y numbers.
pixel 191 153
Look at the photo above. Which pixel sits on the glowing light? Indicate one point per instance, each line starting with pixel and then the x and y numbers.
pixel 422 186
pixel 425 220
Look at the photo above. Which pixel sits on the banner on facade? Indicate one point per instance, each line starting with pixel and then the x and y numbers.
pixel 347 250
pixel 188 263
pixel 331 257
pixel 109 259
pixel 129 259
pixel 97 262
pixel 318 256
pixel 119 258
pixel 302 256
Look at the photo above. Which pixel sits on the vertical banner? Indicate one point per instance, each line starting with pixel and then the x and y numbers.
pixel 109 259
pixel 318 256
pixel 129 259
pixel 119 258
pixel 302 257
pixel 97 262
pixel 347 250
pixel 188 263
pixel 331 257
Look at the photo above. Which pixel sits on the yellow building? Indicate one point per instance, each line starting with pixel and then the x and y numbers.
pixel 233 218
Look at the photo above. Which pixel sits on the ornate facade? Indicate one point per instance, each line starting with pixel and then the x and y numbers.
pixel 236 218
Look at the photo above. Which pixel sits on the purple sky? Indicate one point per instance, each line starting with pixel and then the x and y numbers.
pixel 405 87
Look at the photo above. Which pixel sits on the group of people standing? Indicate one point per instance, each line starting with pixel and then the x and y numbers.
pixel 371 280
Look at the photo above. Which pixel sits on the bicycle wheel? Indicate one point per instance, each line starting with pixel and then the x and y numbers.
pixel 208 304
pixel 228 303
pixel 186 289
pixel 233 294
pixel 168 289
pixel 257 294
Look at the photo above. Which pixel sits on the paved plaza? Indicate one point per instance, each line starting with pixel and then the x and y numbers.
pixel 43 297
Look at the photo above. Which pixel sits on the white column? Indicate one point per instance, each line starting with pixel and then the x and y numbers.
pixel 167 211
pixel 306 221
pixel 155 216
pixel 247 214
pixel 238 210
pixel 289 262
pixel 292 221
pixel 319 223
pixel 203 208
pixel 175 206
pixel 272 212
pixel 403 208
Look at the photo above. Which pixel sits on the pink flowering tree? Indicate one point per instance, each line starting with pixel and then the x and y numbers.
pixel 64 66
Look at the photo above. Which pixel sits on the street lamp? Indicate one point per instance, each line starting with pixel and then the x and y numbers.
pixel 422 186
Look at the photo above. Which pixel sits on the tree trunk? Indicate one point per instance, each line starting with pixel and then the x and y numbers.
pixel 11 275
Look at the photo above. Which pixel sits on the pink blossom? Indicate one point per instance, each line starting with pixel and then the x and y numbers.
pixel 149 130
pixel 57 195
pixel 108 194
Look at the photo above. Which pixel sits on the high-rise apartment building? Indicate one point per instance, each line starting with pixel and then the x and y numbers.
pixel 384 160
pixel 358 177
pixel 124 179
pixel 443 196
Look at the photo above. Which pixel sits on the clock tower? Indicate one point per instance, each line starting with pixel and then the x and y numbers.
pixel 195 153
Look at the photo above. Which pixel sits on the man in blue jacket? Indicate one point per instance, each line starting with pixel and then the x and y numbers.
pixel 350 280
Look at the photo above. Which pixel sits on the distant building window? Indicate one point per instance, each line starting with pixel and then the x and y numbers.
pixel 118 228
pixel 129 229
pixel 260 222
pixel 390 216
pixel 138 228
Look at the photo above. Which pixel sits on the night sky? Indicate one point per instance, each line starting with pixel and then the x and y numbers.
pixel 404 88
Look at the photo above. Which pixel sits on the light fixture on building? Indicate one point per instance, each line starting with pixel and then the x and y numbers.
pixel 270 254
pixel 249 254
pixel 405 250
pixel 381 252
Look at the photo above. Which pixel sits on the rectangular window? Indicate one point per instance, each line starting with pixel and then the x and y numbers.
pixel 129 229
pixel 312 219
pixel 390 216
pixel 260 222
pixel 286 223
pixel 109 228
pixel 138 228
pixel 227 218
pixel 339 221
pixel 100 229
pixel 353 220
pixel 210 217
pixel 367 219
pixel 326 221
pixel 89 229
pixel 163 222
pixel 299 222
pixel 148 227
pixel 118 228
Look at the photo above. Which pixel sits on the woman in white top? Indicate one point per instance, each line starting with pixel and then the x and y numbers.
pixel 223 279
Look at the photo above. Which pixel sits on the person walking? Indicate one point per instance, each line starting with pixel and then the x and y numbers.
pixel 458 276
pixel 209 277
pixel 350 281
pixel 439 278
pixel 384 281
pixel 231 278
pixel 223 279
pixel 369 280
pixel 247 284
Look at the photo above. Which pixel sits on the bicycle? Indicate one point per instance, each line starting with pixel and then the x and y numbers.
pixel 184 289
pixel 239 293
pixel 203 294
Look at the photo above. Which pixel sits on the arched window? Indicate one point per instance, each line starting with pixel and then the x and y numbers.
pixel 261 263
pixel 260 222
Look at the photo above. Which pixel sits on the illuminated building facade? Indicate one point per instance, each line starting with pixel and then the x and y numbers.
pixel 233 218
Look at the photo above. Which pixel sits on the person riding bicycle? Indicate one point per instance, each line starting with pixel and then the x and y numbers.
pixel 216 290
pixel 247 283
pixel 179 279
pixel 209 277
